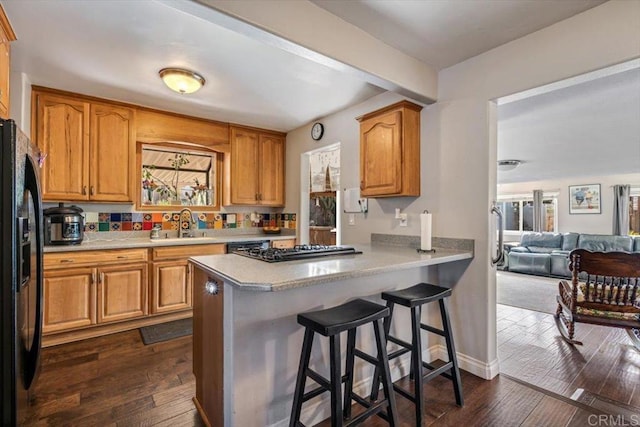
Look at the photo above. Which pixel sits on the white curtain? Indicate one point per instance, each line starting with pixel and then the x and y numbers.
pixel 621 194
pixel 538 211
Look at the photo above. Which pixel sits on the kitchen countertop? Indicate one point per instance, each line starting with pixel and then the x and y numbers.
pixel 145 242
pixel 256 275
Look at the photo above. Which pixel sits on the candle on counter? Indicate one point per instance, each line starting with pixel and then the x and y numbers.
pixel 425 231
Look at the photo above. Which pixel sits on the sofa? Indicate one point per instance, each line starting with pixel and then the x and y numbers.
pixel 547 254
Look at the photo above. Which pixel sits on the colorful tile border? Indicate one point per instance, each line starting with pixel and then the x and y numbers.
pixel 127 221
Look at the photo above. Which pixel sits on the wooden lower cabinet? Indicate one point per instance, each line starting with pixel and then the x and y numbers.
pixel 171 286
pixel 283 244
pixel 69 299
pixel 122 292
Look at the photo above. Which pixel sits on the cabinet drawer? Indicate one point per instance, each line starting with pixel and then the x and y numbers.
pixel 67 259
pixel 283 244
pixel 173 252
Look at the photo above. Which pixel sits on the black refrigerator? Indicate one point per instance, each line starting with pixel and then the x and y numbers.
pixel 21 240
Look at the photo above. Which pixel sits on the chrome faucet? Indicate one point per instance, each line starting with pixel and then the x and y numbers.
pixel 184 227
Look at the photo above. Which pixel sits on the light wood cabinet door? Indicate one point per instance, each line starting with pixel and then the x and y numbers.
pixel 122 292
pixel 381 155
pixel 245 173
pixel 171 286
pixel 271 168
pixel 257 168
pixel 69 299
pixel 390 151
pixel 62 133
pixel 112 153
pixel 5 66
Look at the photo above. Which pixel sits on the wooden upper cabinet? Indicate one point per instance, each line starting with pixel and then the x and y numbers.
pixel 112 153
pixel 90 148
pixel 390 151
pixel 6 36
pixel 62 133
pixel 257 167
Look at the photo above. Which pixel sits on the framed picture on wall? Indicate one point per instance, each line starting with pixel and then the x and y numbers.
pixel 584 199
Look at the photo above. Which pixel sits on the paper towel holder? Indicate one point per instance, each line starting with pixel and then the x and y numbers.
pixel 425 251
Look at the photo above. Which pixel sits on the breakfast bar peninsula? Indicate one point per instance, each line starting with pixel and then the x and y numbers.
pixel 246 338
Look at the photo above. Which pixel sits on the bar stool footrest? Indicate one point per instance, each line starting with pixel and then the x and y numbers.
pixel 432 329
pixel 364 356
pixel 404 393
pixel 372 408
pixel 391 338
pixel 438 371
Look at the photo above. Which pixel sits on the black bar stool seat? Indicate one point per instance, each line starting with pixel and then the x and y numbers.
pixel 330 323
pixel 421 372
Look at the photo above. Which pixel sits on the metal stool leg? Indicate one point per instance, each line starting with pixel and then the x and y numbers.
pixel 455 372
pixel 348 387
pixel 336 381
pixel 383 363
pixel 416 362
pixel 301 378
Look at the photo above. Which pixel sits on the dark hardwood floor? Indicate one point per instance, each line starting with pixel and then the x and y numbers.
pixel 118 381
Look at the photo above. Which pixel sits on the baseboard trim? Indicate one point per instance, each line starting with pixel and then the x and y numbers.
pixel 474 366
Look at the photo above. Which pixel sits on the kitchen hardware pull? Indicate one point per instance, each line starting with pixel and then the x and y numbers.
pixel 102 277
pixel 123 257
pixel 92 190
pixel 93 278
pixel 84 190
pixel 66 260
pixel 499 258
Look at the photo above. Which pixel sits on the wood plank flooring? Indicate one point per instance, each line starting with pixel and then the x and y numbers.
pixel 118 381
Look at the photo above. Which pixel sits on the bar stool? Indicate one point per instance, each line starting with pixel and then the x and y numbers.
pixel 330 323
pixel 413 298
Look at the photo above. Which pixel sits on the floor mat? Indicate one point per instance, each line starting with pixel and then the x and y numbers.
pixel 525 291
pixel 166 331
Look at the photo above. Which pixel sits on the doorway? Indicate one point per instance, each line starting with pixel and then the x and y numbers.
pixel 320 196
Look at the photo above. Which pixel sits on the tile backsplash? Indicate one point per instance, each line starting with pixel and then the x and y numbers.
pixel 138 221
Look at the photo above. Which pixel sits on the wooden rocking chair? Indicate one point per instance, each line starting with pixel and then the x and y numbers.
pixel 604 290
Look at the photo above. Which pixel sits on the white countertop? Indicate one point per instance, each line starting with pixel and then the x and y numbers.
pixel 256 275
pixel 145 242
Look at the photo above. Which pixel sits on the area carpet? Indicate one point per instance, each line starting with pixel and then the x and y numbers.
pixel 529 292
pixel 166 331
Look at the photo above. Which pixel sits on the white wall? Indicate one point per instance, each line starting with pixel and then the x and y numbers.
pixel 583 223
pixel 459 148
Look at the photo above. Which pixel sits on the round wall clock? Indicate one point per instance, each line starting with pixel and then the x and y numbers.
pixel 316 131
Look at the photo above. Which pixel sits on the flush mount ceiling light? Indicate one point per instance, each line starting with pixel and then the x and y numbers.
pixel 507 165
pixel 181 80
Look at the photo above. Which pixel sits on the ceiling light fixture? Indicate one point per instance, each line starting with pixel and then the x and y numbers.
pixel 508 165
pixel 181 80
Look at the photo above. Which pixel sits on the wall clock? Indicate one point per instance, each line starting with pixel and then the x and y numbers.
pixel 317 130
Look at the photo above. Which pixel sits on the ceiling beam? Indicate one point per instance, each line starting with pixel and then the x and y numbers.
pixel 304 29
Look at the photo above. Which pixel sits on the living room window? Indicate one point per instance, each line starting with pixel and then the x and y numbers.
pixel 634 211
pixel 518 213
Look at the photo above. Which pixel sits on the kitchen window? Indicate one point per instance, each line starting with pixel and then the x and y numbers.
pixel 171 176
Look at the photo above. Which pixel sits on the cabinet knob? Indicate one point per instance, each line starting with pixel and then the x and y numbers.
pixel 84 190
pixel 92 190
pixel 211 287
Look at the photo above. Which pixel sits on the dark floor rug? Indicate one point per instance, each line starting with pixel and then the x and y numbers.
pixel 166 331
pixel 525 291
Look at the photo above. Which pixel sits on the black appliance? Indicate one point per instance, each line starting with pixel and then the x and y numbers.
pixel 21 257
pixel 63 225
pixel 250 244
pixel 297 252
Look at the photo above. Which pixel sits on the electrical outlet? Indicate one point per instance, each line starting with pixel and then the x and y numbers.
pixel 403 220
pixel 352 219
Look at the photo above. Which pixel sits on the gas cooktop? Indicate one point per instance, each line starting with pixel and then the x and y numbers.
pixel 297 252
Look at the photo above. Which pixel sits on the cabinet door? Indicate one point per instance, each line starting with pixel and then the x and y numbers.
pixel 122 292
pixel 112 153
pixel 4 75
pixel 244 166
pixel 381 155
pixel 271 169
pixel 171 286
pixel 62 133
pixel 69 299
